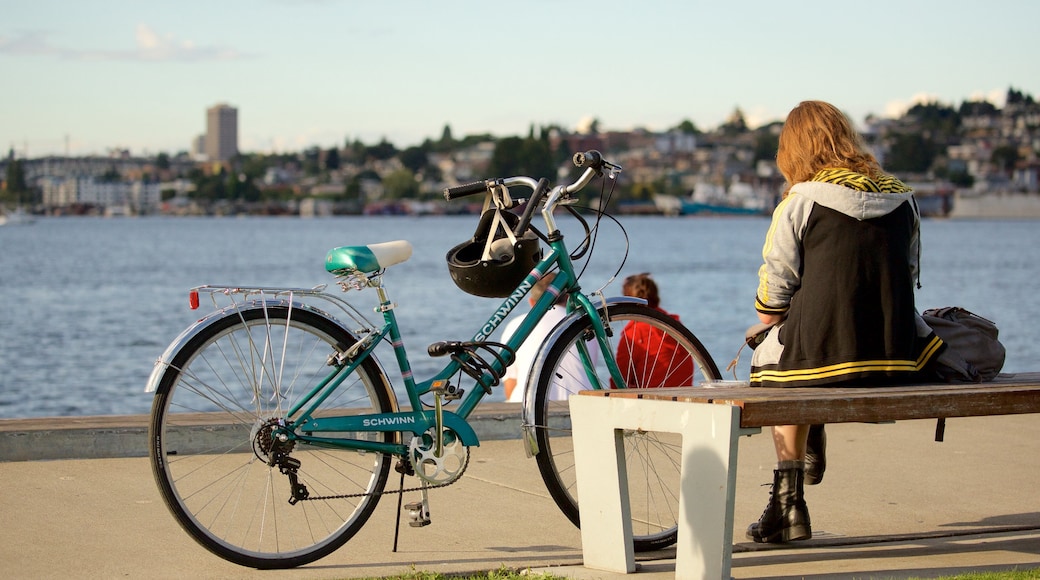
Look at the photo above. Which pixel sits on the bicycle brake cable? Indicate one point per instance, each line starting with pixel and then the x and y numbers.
pixel 590 239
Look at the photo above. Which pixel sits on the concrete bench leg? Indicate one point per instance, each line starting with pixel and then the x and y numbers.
pixel 708 475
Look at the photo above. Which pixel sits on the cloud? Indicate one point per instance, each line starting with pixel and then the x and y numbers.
pixel 897 108
pixel 150 46
pixel 30 42
pixel 998 97
pixel 758 116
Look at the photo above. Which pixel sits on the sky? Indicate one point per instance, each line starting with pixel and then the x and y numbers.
pixel 93 76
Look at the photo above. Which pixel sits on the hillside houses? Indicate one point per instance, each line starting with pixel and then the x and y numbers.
pixel 976 148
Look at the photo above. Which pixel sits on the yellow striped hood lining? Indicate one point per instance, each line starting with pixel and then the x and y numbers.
pixel 860 182
pixel 850 368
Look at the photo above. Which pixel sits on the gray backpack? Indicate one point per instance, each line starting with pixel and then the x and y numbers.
pixel 973 353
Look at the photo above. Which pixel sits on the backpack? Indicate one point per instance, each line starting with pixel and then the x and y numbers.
pixel 973 353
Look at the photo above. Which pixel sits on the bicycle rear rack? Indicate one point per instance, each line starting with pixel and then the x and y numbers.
pixel 310 297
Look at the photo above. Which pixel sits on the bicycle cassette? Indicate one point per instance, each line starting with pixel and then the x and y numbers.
pixel 438 462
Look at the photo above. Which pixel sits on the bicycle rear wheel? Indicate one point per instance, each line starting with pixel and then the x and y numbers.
pixel 653 350
pixel 215 408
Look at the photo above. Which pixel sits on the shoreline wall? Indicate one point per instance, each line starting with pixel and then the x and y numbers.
pixel 996 206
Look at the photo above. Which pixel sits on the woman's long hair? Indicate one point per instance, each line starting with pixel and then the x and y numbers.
pixel 818 136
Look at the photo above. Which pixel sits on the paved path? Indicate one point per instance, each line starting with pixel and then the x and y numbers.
pixel 894 504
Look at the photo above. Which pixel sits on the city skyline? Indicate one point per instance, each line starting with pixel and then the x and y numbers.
pixel 85 78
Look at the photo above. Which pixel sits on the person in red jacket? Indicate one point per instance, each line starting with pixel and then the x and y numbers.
pixel 646 356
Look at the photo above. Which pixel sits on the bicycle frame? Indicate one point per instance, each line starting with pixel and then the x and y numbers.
pixel 302 424
pixel 418 420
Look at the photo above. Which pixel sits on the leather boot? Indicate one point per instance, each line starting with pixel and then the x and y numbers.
pixel 815 455
pixel 786 518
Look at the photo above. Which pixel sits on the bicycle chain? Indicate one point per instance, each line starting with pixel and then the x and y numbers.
pixel 388 492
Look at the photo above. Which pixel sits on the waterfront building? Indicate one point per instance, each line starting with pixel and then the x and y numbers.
pixel 123 197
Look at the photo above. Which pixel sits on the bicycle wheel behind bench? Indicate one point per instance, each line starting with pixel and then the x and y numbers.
pixel 211 443
pixel 653 350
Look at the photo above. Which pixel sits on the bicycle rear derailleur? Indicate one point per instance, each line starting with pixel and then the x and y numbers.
pixel 289 466
pixel 275 451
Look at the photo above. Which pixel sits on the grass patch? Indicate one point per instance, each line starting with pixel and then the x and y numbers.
pixel 511 574
pixel 500 574
pixel 1015 575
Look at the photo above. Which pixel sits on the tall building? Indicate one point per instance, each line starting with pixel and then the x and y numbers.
pixel 221 132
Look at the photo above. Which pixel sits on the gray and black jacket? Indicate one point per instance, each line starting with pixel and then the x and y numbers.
pixel 841 260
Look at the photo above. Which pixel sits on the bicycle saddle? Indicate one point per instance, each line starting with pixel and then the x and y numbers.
pixel 367 259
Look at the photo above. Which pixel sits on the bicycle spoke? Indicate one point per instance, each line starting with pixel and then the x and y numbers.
pixel 653 350
pixel 214 455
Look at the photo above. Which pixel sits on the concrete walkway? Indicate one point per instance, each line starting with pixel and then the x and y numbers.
pixel 894 504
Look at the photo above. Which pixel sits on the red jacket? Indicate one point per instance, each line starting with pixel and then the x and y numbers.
pixel 648 358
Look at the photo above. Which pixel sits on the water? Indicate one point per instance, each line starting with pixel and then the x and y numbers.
pixel 90 303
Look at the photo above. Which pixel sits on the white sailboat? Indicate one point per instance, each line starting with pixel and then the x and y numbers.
pixel 16 217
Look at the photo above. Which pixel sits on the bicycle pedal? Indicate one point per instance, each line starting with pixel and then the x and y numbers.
pixel 419 514
pixel 453 393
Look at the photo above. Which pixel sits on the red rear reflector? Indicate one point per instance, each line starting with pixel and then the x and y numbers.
pixel 193 299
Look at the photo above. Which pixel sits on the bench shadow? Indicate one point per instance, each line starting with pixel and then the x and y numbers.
pixel 1008 520
pixel 898 548
pixel 557 555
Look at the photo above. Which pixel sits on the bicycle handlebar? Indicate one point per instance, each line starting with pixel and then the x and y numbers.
pixel 591 160
pixel 465 189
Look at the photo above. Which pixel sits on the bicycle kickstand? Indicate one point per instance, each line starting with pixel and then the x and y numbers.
pixel 418 512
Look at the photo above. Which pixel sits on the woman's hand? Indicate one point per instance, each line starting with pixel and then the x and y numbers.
pixel 770 318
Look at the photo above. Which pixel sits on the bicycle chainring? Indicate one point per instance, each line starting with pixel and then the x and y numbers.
pixel 438 468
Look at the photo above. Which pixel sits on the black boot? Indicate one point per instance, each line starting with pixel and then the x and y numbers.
pixel 815 455
pixel 786 518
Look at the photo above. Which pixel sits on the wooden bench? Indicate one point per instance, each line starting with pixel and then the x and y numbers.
pixel 711 421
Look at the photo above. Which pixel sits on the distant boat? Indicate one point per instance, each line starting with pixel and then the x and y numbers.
pixel 16 217
pixel 735 199
pixel 702 208
pixel 673 205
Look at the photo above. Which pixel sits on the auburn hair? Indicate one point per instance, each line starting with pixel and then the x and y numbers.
pixel 818 136
pixel 642 286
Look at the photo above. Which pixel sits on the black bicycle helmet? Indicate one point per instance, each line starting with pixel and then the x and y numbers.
pixel 490 264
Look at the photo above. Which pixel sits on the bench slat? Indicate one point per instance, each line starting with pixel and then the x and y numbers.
pixel 1009 394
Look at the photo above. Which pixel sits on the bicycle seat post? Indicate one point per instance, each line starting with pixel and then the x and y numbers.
pixel 384 297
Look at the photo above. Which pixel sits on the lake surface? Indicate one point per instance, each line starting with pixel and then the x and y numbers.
pixel 91 303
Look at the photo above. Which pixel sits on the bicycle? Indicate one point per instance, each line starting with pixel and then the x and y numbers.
pixel 274 426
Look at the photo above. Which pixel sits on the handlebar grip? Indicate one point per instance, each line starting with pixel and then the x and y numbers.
pixel 593 159
pixel 442 348
pixel 463 190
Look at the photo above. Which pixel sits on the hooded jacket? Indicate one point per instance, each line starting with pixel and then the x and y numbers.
pixel 841 259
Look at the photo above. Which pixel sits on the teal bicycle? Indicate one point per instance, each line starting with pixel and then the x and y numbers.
pixel 274 427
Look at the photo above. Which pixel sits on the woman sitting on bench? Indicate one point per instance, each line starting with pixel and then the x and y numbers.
pixel 841 262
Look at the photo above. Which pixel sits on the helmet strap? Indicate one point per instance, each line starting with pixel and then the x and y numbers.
pixel 499 198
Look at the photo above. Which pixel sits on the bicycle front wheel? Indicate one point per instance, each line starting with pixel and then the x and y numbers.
pixel 216 407
pixel 653 350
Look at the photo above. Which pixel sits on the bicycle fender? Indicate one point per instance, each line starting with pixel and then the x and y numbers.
pixel 528 411
pixel 201 324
